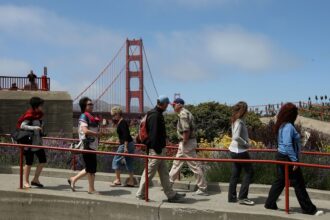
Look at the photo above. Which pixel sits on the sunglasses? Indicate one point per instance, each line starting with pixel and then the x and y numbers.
pixel 90 104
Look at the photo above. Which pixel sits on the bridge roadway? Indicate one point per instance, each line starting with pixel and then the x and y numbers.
pixel 57 201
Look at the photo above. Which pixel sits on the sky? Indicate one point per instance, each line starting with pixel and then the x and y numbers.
pixel 260 51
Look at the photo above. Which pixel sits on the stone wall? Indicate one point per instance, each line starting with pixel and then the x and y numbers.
pixel 57 107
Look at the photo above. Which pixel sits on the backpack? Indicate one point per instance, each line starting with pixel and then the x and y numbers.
pixel 143 129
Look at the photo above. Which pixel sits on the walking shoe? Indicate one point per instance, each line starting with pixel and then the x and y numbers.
pixel 319 213
pixel 245 202
pixel 200 192
pixel 271 207
pixel 140 197
pixel 177 198
pixel 232 200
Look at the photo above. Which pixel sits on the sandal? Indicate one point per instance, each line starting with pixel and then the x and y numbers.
pixel 37 184
pixel 71 185
pixel 94 193
pixel 27 186
pixel 129 185
pixel 114 184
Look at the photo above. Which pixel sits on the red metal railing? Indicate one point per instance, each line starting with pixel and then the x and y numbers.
pixel 146 157
pixel 22 83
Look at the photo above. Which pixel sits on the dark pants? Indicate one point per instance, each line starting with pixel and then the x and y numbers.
pixel 235 174
pixel 296 180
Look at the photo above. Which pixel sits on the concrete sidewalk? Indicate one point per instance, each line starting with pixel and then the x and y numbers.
pixel 57 201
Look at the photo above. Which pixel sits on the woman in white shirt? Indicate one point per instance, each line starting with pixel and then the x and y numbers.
pixel 238 150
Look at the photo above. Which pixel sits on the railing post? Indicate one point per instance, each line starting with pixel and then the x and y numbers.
pixel 21 168
pixel 287 185
pixel 146 180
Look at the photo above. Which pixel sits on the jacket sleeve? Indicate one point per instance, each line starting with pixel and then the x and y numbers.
pixel 287 138
pixel 152 123
pixel 25 125
pixel 237 131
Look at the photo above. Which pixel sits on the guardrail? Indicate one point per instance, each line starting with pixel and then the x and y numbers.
pixel 146 157
pixel 22 83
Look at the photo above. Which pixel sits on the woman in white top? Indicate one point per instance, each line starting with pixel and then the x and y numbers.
pixel 238 150
pixel 89 134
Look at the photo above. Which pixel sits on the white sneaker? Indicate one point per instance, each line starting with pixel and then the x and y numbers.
pixel 245 202
pixel 319 213
pixel 200 193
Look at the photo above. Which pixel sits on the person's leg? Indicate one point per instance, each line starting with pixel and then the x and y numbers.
pixel 42 161
pixel 116 164
pixel 77 177
pixel 165 179
pixel 276 189
pixel 177 165
pixel 91 181
pixel 152 168
pixel 248 175
pixel 27 170
pixel 129 164
pixel 298 182
pixel 235 174
pixel 189 151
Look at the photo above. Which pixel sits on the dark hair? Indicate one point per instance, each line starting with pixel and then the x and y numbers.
pixel 239 110
pixel 35 102
pixel 288 114
pixel 83 103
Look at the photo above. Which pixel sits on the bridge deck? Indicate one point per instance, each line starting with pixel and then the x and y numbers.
pixel 56 201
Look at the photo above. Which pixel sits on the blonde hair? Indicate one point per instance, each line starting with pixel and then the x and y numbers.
pixel 116 110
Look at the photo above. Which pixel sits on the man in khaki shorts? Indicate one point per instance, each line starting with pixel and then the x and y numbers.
pixel 187 147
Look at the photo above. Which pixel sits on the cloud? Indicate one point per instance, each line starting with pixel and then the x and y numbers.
pixel 74 52
pixel 196 55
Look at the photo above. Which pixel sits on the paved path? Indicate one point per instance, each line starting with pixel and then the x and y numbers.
pixel 214 206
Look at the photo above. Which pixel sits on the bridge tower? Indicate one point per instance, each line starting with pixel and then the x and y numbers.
pixel 130 74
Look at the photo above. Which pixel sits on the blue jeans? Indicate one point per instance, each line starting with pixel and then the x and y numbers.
pixel 117 160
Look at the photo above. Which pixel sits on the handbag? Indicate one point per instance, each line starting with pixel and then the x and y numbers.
pixel 22 136
pixel 82 145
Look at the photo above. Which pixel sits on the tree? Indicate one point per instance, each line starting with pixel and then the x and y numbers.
pixel 211 120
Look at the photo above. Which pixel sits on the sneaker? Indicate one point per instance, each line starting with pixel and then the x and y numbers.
pixel 177 198
pixel 271 207
pixel 200 192
pixel 140 197
pixel 319 213
pixel 246 202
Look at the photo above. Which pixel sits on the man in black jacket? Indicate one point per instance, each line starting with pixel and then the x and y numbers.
pixel 155 143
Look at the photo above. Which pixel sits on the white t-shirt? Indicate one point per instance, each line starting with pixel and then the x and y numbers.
pixel 93 145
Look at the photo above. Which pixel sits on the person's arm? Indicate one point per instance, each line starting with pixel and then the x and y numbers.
pixel 237 131
pixel 25 125
pixel 184 121
pixel 152 123
pixel 86 131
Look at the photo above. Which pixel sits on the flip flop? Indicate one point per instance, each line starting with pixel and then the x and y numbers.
pixel 129 185
pixel 71 186
pixel 115 184
pixel 37 184
pixel 94 193
pixel 27 187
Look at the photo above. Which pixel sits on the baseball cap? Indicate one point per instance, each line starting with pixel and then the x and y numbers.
pixel 178 101
pixel 163 99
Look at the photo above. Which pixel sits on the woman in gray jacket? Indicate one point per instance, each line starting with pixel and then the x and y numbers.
pixel 238 150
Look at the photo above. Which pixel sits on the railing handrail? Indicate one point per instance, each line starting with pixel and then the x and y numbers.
pixel 174 147
pixel 165 157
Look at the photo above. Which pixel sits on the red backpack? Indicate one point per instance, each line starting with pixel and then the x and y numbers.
pixel 143 129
